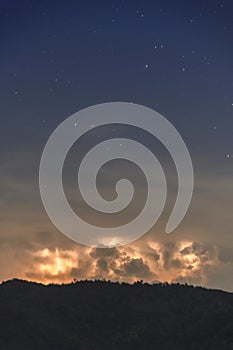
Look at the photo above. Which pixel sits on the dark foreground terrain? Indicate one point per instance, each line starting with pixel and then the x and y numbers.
pixel 104 315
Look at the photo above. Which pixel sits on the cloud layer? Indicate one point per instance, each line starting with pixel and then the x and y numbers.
pixel 199 252
pixel 184 261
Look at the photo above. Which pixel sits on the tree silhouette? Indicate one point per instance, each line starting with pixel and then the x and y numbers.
pixel 103 315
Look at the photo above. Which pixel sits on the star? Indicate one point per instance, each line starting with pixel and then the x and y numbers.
pixel 147 66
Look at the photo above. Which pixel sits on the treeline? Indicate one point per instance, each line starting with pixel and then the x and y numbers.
pixel 101 315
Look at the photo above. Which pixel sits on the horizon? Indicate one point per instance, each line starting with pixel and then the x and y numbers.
pixel 136 283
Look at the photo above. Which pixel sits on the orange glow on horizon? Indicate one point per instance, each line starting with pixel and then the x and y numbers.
pixel 62 266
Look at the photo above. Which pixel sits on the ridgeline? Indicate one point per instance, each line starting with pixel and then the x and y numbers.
pixel 101 315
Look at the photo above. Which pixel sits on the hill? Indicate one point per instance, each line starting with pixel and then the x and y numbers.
pixel 103 315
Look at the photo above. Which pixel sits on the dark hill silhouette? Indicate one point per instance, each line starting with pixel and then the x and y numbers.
pixel 102 315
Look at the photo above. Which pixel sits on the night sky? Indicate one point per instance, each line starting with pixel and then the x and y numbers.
pixel 176 57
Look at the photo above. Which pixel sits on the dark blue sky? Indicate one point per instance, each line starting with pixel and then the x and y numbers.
pixel 174 56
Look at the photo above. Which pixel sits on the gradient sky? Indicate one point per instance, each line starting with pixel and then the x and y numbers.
pixel 173 56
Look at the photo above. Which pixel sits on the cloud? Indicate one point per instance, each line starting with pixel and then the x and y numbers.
pixel 182 261
pixel 104 253
pixel 50 257
pixel 135 268
pixel 202 254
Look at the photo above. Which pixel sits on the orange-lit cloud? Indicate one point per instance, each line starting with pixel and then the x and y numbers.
pixel 152 261
pixel 31 248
